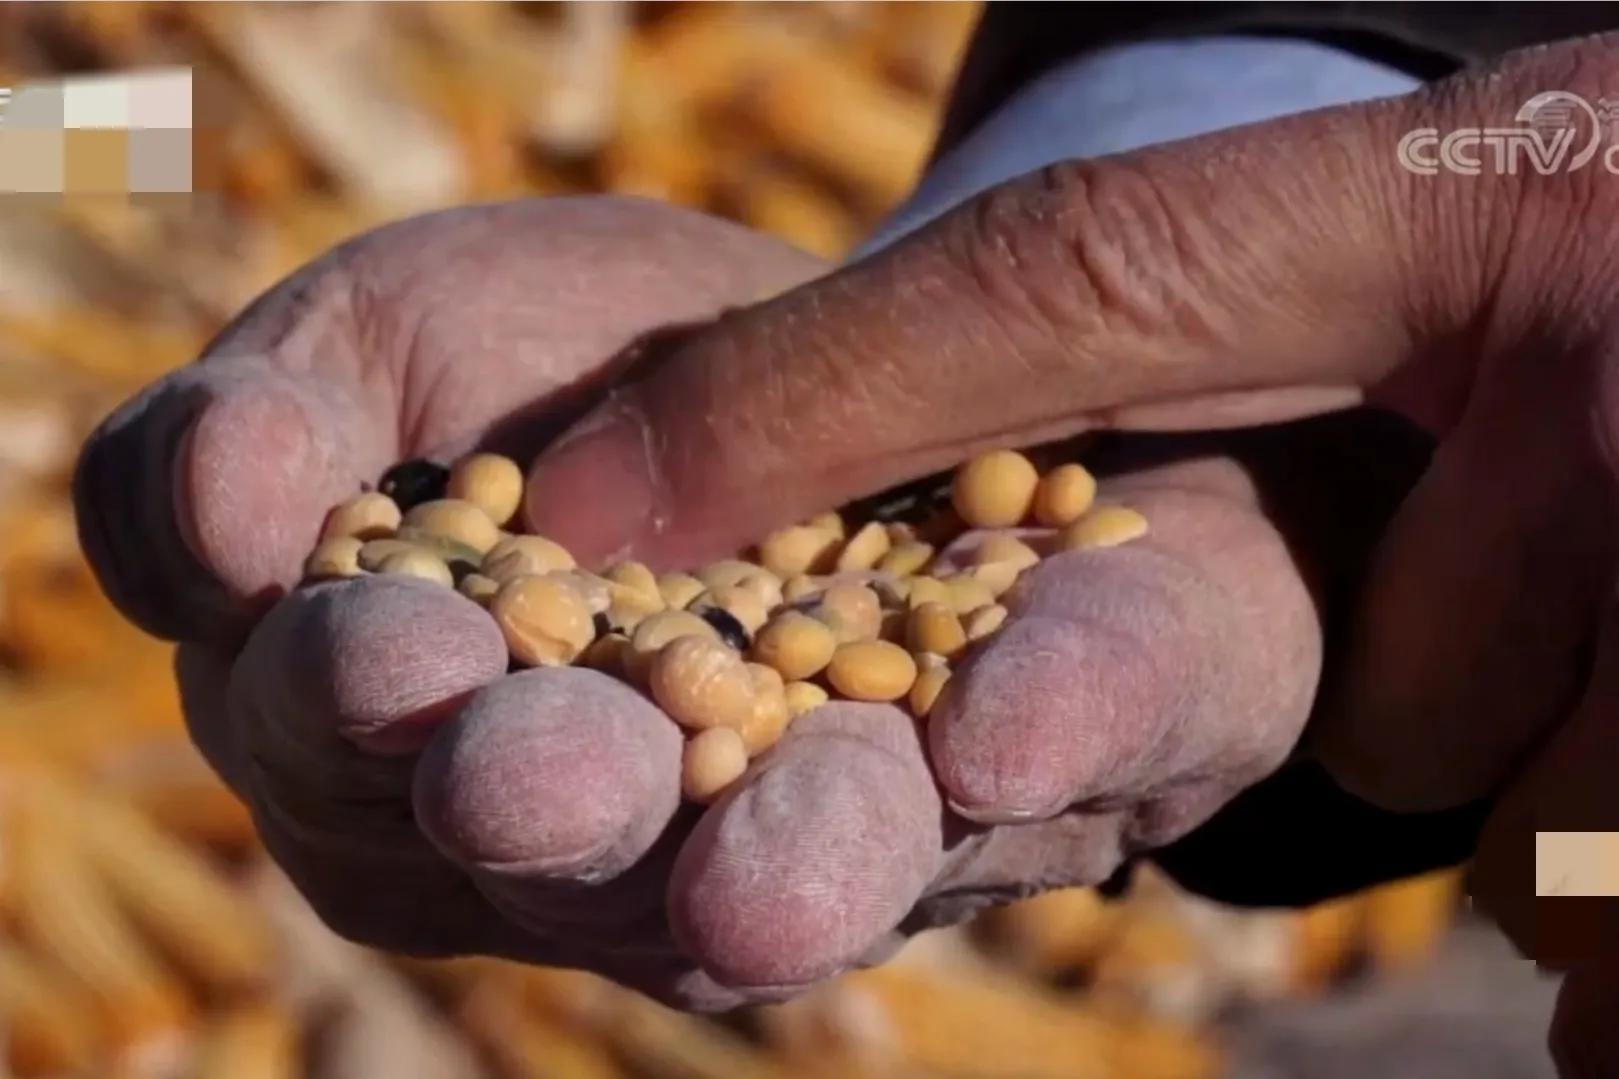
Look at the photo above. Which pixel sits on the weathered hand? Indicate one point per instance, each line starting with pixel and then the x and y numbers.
pixel 1260 273
pixel 1255 273
pixel 543 820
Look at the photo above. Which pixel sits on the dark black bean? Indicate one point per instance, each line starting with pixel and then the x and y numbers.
pixel 726 625
pixel 410 483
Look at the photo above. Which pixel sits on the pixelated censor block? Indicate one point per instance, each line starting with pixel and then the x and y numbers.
pixel 1576 864
pixel 120 134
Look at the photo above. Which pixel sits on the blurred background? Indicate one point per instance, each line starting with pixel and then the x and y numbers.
pixel 143 933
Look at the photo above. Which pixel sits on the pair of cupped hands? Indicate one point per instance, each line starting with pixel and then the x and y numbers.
pixel 683 385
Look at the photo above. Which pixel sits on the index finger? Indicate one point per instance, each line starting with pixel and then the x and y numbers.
pixel 1260 272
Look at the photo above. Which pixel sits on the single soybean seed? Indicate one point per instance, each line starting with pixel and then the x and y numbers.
pixel 994 490
pixel 925 690
pixel 770 716
pixel 983 621
pixel 864 548
pixel 1063 495
pixel 802 697
pixel 518 556
pixel 901 533
pixel 1001 547
pixel 871 671
pixel 478 588
pixel 795 644
pixel 755 578
pixel 489 481
pixel 853 612
pixel 456 520
pixel 892 592
pixel 637 576
pixel 934 627
pixel 741 602
pixel 701 683
pixel 800 549
pixel 1103 526
pixel 711 762
pixel 606 654
pixel 927 590
pixel 417 562
pixel 458 556
pixel 998 577
pixel 904 559
pixel 679 589
pixel 374 551
pixel 729 628
pixel 597 593
pixel 764 586
pixel 967 593
pixel 367 516
pixel 830 521
pixel 544 620
pixel 801 587
pixel 657 630
pixel 337 557
pixel 410 483
pixel 728 571
pixel 629 607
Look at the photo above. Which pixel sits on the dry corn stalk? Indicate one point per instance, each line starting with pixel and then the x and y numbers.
pixel 64 910
pixel 177 898
pixel 991 1024
pixel 1406 920
pixel 256 1040
pixel 45 1023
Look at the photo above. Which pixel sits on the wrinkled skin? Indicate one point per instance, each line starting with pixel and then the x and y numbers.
pixel 542 817
pixel 1257 274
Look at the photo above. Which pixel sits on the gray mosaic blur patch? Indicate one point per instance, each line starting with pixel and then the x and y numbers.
pixel 1479 1013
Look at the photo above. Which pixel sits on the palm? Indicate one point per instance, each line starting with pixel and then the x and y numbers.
pixel 543 820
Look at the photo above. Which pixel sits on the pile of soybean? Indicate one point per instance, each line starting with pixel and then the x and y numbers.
pixel 736 650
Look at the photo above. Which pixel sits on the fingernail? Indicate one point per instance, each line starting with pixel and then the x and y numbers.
pixel 595 490
pixel 1002 814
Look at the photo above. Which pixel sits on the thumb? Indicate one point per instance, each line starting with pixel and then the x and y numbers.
pixel 1252 274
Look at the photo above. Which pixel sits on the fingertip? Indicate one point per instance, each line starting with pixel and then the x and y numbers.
pixel 378 662
pixel 1050 711
pixel 404 653
pixel 596 491
pixel 254 476
pixel 822 852
pixel 550 775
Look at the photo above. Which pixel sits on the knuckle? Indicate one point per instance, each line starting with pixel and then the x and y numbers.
pixel 1094 247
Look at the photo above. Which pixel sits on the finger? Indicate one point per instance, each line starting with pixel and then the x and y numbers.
pixel 194 499
pixel 549 782
pixel 1242 270
pixel 815 858
pixel 1125 674
pixel 1471 638
pixel 198 500
pixel 376 662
